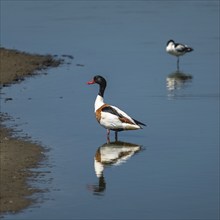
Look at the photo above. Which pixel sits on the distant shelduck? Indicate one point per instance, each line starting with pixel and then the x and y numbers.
pixel 111 117
pixel 177 49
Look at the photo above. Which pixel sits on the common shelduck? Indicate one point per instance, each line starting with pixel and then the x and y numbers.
pixel 111 117
pixel 177 49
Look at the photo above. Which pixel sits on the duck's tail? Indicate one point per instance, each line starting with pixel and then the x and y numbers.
pixel 139 123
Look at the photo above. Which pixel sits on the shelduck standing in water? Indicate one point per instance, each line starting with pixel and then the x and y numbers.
pixel 177 49
pixel 111 117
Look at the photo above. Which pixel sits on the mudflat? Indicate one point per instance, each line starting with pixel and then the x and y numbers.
pixel 16 158
pixel 18 155
pixel 16 65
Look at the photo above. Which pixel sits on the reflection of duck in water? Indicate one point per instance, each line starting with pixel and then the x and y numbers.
pixel 111 117
pixel 111 154
pixel 177 80
pixel 177 49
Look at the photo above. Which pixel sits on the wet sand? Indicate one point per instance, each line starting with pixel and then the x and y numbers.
pixel 16 65
pixel 18 155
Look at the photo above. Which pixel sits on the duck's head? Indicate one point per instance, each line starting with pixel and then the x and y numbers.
pixel 97 79
pixel 101 81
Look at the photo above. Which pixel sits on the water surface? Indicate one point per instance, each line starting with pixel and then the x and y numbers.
pixel 175 172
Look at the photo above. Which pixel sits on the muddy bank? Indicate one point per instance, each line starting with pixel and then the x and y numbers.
pixel 16 158
pixel 16 65
pixel 17 155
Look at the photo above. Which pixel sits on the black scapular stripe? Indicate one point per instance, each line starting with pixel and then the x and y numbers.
pixel 113 111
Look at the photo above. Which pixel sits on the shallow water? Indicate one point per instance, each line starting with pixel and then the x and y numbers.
pixel 174 172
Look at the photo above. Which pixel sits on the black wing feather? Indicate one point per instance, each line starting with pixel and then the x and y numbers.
pixel 139 123
pixel 113 111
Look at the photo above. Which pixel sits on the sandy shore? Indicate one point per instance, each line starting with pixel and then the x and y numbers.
pixel 17 155
pixel 16 65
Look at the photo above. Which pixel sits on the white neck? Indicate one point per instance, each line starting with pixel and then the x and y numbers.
pixel 99 102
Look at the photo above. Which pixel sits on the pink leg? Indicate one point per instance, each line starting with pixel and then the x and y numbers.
pixel 108 132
